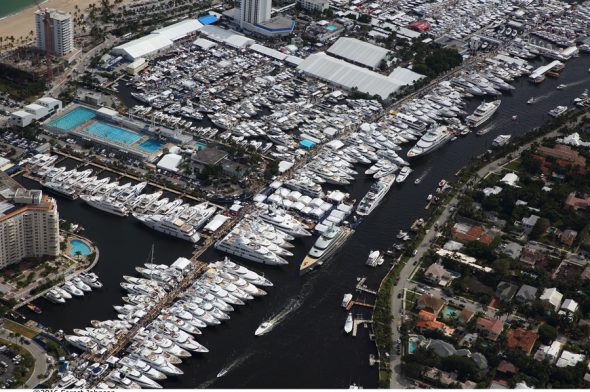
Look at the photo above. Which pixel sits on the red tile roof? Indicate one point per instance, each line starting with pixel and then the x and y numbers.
pixel 522 339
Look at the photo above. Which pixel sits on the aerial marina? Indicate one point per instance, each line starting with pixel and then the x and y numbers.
pixel 266 186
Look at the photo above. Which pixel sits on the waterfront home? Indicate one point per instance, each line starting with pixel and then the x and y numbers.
pixel 490 329
pixel 521 339
pixel 563 156
pixel 551 297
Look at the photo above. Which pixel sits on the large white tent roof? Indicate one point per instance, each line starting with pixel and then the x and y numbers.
pixel 158 40
pixel 358 52
pixel 347 75
pixel 275 54
pixel 179 30
pixel 404 76
pixel 228 37
pixel 143 46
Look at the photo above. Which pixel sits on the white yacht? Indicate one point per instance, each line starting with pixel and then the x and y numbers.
pixel 557 111
pixel 54 296
pixel 501 140
pixel 285 222
pixel 243 272
pixel 403 174
pixel 248 249
pixel 348 323
pixel 482 113
pixel 106 204
pixel 175 227
pixel 375 194
pixel 325 247
pixel 375 258
pixel 432 140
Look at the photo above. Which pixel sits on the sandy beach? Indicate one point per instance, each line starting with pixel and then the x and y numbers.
pixel 21 23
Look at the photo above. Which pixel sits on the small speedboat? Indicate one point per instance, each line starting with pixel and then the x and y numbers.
pixel 561 86
pixel 264 328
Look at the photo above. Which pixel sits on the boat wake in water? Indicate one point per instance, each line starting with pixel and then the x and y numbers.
pixel 269 324
pixel 234 364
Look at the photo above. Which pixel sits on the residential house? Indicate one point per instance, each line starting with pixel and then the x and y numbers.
pixel 506 368
pixel 506 291
pixel 431 303
pixel 548 353
pixel 436 273
pixel 465 316
pixel 490 329
pixel 569 358
pixel 569 305
pixel 465 232
pixel 564 156
pixel 533 253
pixel 551 297
pixel 430 325
pixel 568 236
pixel 526 294
pixel 575 203
pixel 528 223
pixel 521 339
pixel 425 315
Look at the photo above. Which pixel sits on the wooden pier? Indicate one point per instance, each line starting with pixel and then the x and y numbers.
pixel 361 286
pixel 356 323
pixel 359 303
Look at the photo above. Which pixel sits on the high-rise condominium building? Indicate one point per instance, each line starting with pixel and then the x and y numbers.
pixel 60 31
pixel 29 223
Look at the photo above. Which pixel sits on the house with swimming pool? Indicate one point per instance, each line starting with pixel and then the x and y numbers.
pixel 111 130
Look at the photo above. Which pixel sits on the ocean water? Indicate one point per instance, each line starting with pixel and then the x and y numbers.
pixel 308 348
pixel 9 7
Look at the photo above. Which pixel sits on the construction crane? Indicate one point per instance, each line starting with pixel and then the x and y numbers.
pixel 48 41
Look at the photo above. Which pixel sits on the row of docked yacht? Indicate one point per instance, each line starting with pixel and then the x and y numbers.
pixel 263 237
pixel 157 348
pixel 74 287
pixel 181 222
pixel 174 218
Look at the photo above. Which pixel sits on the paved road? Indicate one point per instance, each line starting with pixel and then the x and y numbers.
pixel 40 356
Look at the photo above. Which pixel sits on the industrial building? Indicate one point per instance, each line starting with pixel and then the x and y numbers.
pixel 59 30
pixel 29 223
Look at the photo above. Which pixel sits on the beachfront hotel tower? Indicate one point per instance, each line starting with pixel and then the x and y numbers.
pixel 60 30
pixel 29 223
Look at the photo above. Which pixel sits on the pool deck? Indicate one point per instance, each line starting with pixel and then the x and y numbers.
pixel 82 132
